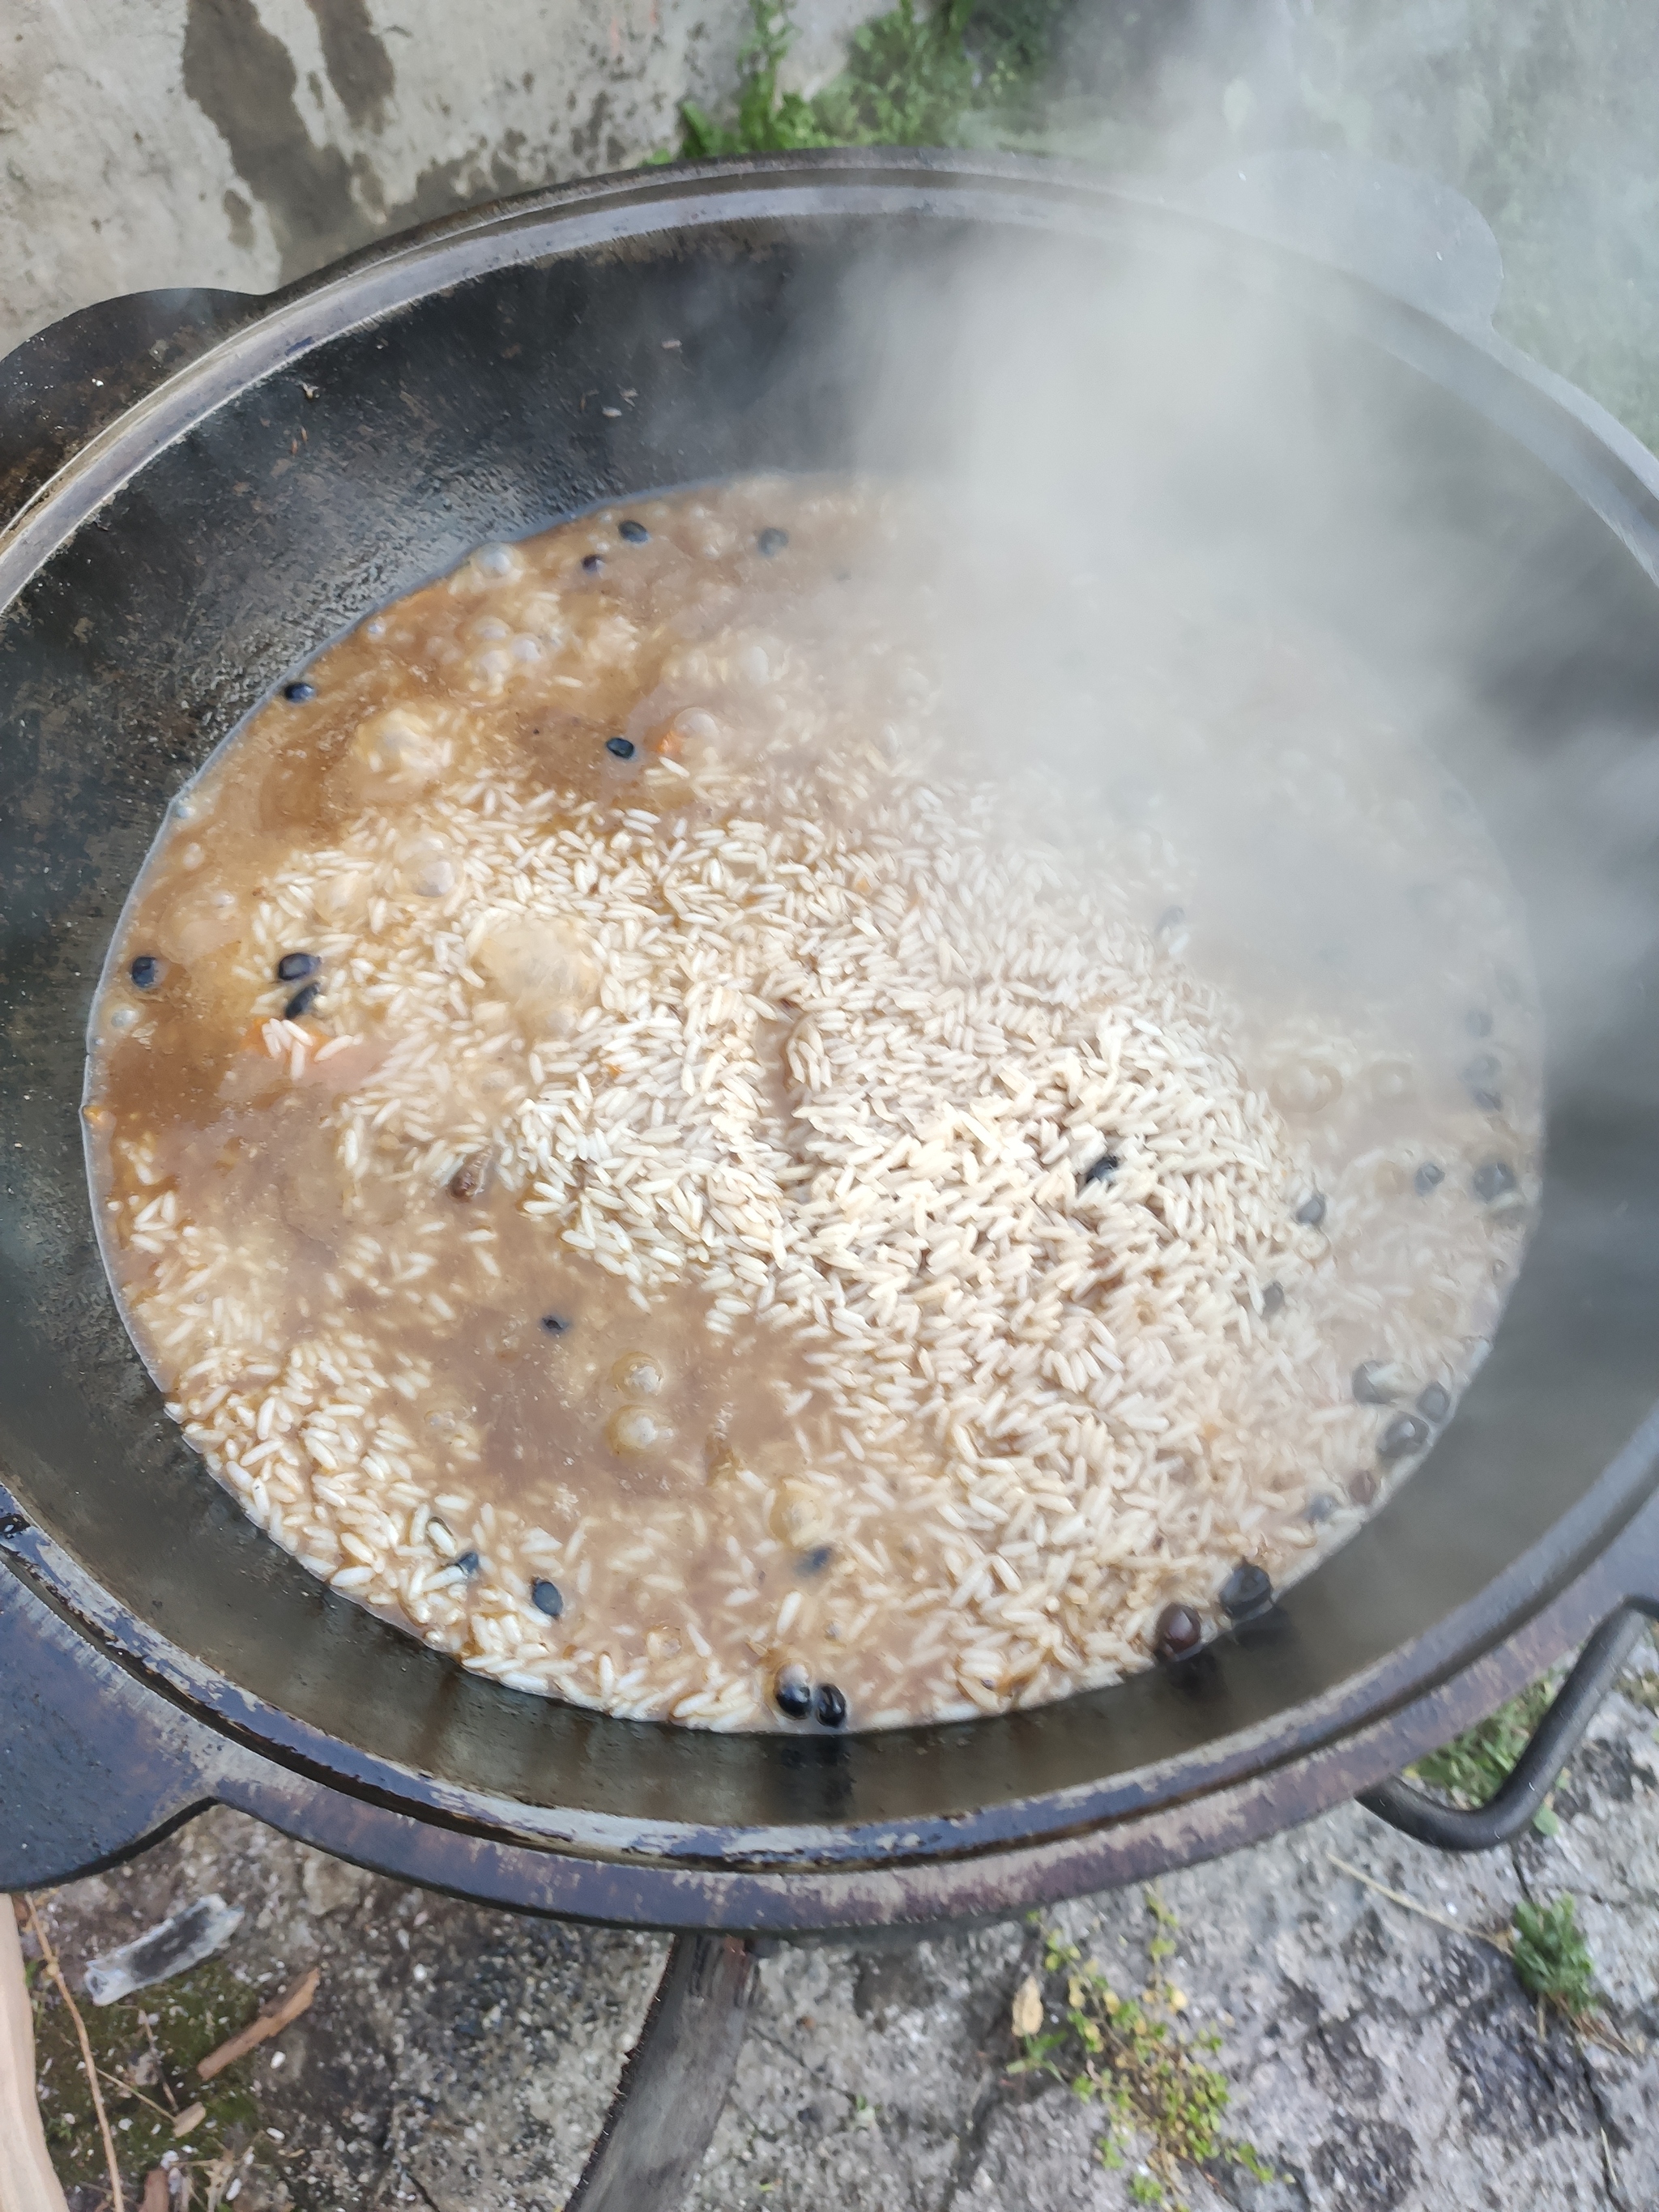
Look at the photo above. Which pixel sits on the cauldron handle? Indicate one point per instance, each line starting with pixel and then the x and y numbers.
pixel 1508 1813
pixel 1400 230
pixel 61 387
pixel 94 1766
pixel 674 2083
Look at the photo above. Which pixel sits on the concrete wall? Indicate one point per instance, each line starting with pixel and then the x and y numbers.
pixel 241 143
pixel 1542 112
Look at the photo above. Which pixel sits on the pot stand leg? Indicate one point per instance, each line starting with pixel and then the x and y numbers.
pixel 1504 1816
pixel 675 2080
pixel 94 1765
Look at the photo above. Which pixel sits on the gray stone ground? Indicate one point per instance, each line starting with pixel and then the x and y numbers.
pixel 460 2060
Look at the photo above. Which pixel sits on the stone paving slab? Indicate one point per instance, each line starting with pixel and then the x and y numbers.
pixel 460 2060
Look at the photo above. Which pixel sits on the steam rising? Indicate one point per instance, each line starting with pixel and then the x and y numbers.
pixel 1160 440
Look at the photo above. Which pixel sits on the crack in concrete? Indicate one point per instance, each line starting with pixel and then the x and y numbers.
pixel 1604 2119
pixel 812 2073
pixel 988 2100
pixel 1614 2194
pixel 389 2188
pixel 1647 1900
pixel 422 2191
pixel 402 2140
pixel 972 2139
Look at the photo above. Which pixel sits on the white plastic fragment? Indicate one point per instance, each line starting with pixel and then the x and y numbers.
pixel 171 1947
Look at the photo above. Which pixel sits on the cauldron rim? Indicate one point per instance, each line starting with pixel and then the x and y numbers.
pixel 1568 434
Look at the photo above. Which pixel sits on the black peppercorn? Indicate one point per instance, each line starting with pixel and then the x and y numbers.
pixel 1434 1403
pixel 1247 1591
pixel 830 1707
pixel 1403 1437
pixel 1373 1383
pixel 792 1691
pixel 1176 1631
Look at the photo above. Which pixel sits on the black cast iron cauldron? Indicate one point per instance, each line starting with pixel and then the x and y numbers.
pixel 203 486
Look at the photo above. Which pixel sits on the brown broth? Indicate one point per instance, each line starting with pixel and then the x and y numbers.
pixel 384 1336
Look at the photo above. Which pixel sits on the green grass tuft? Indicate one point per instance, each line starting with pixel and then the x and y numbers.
pixel 914 78
pixel 1473 1766
pixel 1163 2099
pixel 1551 1958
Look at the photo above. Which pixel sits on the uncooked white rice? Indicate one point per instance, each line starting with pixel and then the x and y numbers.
pixel 806 1047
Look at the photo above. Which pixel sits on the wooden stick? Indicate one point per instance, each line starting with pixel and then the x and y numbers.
pixel 57 1973
pixel 27 2183
pixel 271 2021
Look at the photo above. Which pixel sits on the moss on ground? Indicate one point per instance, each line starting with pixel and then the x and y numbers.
pixel 1473 1767
pixel 146 2050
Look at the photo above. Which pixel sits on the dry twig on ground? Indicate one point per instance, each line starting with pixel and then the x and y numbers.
pixel 1499 1943
pixel 270 2021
